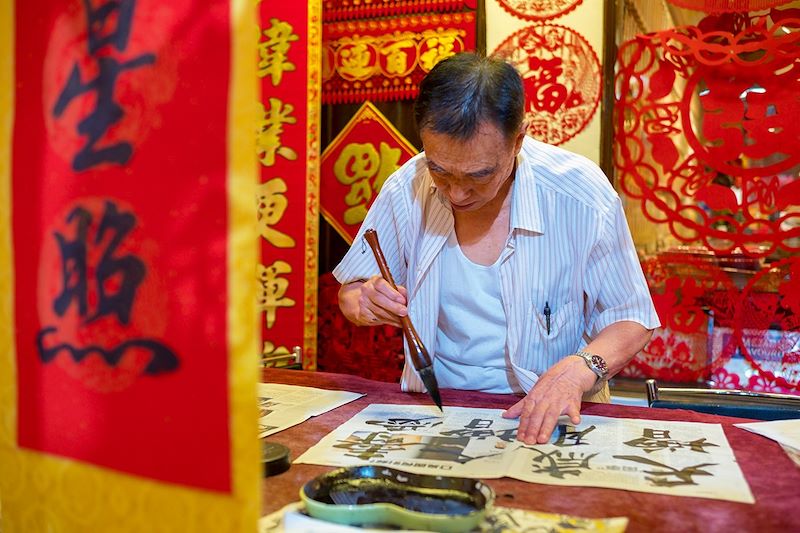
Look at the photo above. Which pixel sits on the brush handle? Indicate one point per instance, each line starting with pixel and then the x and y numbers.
pixel 419 355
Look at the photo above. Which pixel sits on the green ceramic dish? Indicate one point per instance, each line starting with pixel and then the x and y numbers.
pixel 377 495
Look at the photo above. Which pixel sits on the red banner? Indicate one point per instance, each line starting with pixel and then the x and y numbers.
pixel 385 59
pixel 287 196
pixel 355 165
pixel 357 9
pixel 120 234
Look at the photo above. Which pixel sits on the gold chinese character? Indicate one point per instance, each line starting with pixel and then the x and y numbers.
pixel 397 58
pixel 356 61
pixel 270 128
pixel 273 289
pixel 356 166
pixel 439 47
pixel 272 203
pixel 274 50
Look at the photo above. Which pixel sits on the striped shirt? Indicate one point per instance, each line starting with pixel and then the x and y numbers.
pixel 568 247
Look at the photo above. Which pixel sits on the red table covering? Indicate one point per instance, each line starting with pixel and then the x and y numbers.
pixel 773 478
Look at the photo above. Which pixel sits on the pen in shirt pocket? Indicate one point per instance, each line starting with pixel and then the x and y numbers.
pixel 547 317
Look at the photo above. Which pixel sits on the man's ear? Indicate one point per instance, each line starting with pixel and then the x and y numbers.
pixel 520 137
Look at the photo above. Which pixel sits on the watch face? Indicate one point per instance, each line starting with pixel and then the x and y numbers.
pixel 598 362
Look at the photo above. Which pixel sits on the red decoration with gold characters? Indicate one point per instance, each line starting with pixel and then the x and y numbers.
pixel 728 6
pixel 287 144
pixel 360 9
pixel 385 59
pixel 538 10
pixel 562 77
pixel 355 165
pixel 736 187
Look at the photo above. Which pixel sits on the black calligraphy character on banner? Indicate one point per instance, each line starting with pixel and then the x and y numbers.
pixel 558 464
pixel 406 424
pixel 660 478
pixel 478 428
pixel 124 273
pixel 659 439
pixel 568 436
pixel 106 111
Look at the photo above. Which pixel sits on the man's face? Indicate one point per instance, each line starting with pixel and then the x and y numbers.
pixel 471 173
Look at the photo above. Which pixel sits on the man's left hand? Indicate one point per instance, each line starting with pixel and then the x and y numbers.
pixel 558 392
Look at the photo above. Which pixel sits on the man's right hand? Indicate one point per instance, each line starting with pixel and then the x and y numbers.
pixel 373 302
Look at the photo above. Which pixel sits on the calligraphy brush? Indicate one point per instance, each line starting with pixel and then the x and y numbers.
pixel 419 355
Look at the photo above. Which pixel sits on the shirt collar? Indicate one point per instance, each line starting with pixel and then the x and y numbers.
pixel 525 213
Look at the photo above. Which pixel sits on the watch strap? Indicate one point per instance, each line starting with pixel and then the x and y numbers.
pixel 595 363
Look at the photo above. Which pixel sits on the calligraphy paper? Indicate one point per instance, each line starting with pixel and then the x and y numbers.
pixel 283 406
pixel 654 456
pixel 498 520
pixel 786 432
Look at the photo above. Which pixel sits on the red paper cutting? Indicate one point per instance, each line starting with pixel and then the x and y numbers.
pixel 539 10
pixel 727 6
pixel 562 78
pixel 736 188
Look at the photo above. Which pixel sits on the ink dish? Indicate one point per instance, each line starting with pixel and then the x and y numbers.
pixel 381 496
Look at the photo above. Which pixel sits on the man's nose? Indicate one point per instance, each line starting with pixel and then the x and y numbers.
pixel 458 194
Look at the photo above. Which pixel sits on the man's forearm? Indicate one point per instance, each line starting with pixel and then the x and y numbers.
pixel 619 343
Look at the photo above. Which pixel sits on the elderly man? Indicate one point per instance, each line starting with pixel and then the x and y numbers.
pixel 512 257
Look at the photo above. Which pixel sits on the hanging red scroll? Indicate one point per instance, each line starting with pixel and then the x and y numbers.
pixel 385 59
pixel 287 196
pixel 355 165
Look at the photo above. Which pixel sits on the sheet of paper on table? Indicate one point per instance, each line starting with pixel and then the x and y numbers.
pixel 784 432
pixel 655 456
pixel 500 519
pixel 283 406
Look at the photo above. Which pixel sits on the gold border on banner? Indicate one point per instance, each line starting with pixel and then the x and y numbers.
pixel 314 87
pixel 43 492
pixel 367 111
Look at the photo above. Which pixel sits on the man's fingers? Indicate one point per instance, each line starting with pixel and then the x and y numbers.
pixel 514 411
pixel 549 421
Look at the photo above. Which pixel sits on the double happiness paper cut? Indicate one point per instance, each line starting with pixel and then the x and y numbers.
pixel 654 456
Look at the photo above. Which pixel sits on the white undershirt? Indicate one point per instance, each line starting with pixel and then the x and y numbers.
pixel 471 331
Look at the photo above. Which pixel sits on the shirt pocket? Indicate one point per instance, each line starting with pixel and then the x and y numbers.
pixel 545 346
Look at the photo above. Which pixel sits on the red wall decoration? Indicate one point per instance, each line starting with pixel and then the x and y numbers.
pixel 360 9
pixel 385 59
pixel 732 194
pixel 538 10
pixel 355 165
pixel 562 77
pixel 287 197
pixel 728 6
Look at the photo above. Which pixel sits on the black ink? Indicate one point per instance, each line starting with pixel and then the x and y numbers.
pixel 106 111
pixel 654 440
pixel 567 436
pixel 684 475
pixel 163 359
pixel 406 424
pixel 559 464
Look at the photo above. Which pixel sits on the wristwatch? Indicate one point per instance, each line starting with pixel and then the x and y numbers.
pixel 595 363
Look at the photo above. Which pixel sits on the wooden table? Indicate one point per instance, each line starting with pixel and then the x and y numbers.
pixel 773 478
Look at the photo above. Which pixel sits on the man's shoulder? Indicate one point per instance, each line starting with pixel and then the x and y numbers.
pixel 568 174
pixel 411 174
